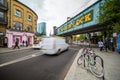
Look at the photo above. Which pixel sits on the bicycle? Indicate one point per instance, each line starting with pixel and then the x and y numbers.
pixel 88 58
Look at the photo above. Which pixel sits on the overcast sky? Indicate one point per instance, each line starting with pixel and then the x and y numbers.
pixel 55 12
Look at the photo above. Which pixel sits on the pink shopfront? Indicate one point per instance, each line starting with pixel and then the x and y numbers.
pixel 21 36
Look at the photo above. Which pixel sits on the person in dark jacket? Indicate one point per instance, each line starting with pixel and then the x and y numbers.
pixel 16 44
pixel 107 42
pixel 26 43
pixel 23 42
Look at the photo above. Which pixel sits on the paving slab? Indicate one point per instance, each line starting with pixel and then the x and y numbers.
pixel 111 67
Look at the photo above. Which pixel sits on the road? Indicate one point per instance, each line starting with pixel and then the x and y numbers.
pixel 41 67
pixel 9 56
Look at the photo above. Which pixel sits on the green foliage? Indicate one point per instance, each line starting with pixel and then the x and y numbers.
pixel 100 34
pixel 110 14
pixel 82 36
pixel 117 27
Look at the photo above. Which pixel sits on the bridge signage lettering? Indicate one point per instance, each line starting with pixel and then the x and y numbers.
pixel 78 21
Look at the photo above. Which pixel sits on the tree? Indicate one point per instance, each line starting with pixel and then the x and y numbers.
pixel 82 36
pixel 110 15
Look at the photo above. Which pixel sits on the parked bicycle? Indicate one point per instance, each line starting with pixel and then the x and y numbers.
pixel 88 59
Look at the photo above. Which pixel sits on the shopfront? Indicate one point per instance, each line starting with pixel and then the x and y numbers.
pixel 21 36
pixel 1 39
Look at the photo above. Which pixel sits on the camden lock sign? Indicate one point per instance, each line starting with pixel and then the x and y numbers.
pixel 78 21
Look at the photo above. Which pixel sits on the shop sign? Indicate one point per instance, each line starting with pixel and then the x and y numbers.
pixel 78 21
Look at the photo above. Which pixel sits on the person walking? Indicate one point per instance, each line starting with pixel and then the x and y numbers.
pixel 16 44
pixel 106 44
pixel 100 44
pixel 26 43
pixel 23 42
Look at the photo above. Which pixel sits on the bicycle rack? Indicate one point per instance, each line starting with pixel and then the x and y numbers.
pixel 101 63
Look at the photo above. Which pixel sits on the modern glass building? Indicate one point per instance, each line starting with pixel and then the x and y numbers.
pixel 41 29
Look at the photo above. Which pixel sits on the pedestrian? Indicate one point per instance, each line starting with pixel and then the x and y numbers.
pixel 23 42
pixel 106 43
pixel 26 43
pixel 112 44
pixel 100 44
pixel 16 44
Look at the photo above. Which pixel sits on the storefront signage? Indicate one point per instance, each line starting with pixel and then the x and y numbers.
pixel 78 21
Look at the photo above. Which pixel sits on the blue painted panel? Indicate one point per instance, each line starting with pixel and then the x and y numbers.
pixel 118 42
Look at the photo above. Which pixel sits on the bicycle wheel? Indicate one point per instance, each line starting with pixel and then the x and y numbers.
pixel 97 69
pixel 80 60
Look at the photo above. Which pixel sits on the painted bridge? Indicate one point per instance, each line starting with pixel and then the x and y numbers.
pixel 85 22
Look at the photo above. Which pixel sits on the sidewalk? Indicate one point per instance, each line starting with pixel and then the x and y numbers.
pixel 3 50
pixel 111 67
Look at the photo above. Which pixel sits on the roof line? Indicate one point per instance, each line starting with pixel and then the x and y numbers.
pixel 27 7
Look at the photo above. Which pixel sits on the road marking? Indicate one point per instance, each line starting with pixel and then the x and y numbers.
pixel 34 55
pixel 20 59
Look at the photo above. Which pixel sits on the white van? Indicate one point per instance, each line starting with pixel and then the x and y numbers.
pixel 52 45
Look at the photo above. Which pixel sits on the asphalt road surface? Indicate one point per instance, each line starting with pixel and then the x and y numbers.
pixel 42 67
pixel 9 56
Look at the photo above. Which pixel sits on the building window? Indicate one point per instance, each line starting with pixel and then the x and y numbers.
pixel 35 30
pixel 35 22
pixel 29 18
pixel 2 2
pixel 17 26
pixel 18 13
pixel 1 16
pixel 29 28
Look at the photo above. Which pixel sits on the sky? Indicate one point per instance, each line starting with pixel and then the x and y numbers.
pixel 55 12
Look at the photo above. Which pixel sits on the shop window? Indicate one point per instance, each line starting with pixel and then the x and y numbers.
pixel 35 21
pixel 35 30
pixel 29 18
pixel 17 26
pixel 18 13
pixel 29 28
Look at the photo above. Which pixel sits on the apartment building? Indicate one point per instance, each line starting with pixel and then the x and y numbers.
pixel 22 23
pixel 3 22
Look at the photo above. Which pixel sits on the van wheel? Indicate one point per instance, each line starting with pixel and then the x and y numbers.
pixel 58 52
pixel 67 49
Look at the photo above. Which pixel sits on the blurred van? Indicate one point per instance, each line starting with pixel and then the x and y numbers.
pixel 52 45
